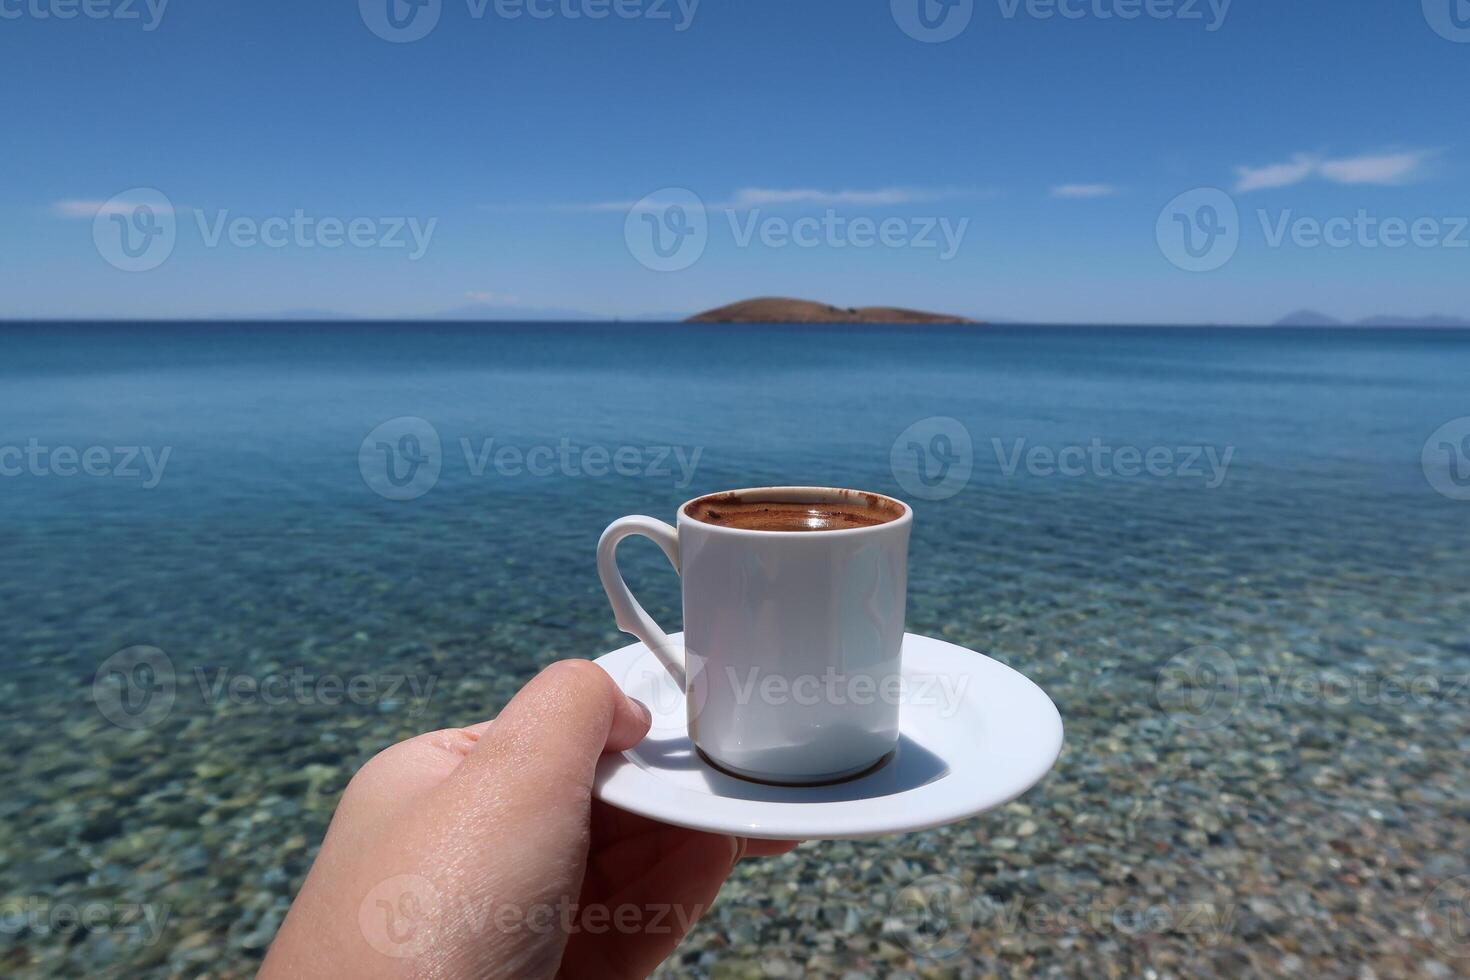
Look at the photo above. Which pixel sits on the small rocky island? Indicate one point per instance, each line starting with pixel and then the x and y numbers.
pixel 773 309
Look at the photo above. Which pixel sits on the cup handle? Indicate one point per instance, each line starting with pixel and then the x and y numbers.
pixel 630 615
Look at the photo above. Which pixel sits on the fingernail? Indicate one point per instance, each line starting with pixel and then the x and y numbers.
pixel 738 846
pixel 642 711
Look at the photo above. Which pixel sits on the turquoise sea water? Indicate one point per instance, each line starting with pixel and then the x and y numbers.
pixel 1297 582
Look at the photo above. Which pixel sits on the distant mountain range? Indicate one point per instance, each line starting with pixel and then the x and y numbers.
pixel 764 310
pixel 471 313
pixel 1311 318
pixel 501 311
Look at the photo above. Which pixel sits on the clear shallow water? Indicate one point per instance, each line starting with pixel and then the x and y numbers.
pixel 1320 565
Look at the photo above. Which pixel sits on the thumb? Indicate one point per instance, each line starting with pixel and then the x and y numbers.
pixel 551 734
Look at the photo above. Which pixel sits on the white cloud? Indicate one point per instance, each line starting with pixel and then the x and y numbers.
pixel 1083 190
pixel 1387 168
pixel 601 206
pixel 755 197
pixel 1297 170
pixel 1384 168
pixel 82 208
pixel 759 197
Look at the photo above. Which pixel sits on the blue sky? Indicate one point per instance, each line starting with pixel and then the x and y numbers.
pixel 495 159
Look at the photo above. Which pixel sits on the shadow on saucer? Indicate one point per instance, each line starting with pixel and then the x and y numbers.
pixel 908 767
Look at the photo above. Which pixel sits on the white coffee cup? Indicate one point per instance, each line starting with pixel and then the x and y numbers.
pixel 792 639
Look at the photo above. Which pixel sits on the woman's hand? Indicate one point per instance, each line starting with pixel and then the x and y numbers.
pixel 479 853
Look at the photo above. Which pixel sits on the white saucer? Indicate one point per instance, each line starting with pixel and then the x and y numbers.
pixel 982 741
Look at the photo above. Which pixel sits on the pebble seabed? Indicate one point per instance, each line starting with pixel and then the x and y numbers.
pixel 1299 807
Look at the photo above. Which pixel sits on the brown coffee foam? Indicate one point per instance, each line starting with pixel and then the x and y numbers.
pixel 751 513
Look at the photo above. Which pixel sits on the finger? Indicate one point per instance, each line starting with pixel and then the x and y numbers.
pixel 614 830
pixel 671 894
pixel 551 734
pixel 615 864
pixel 612 827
